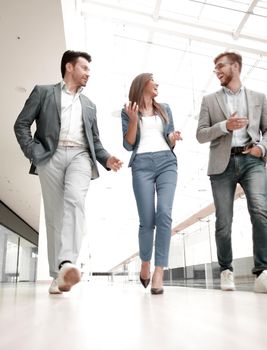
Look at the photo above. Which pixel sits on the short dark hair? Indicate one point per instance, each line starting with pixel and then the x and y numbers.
pixel 70 56
pixel 233 56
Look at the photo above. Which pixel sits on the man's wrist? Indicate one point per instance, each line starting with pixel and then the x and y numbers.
pixel 263 152
pixel 224 127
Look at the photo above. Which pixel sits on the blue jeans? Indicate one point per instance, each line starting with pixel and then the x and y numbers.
pixel 154 173
pixel 250 173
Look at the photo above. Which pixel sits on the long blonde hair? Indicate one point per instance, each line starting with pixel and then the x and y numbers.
pixel 136 94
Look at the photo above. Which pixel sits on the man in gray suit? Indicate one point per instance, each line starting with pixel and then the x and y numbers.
pixel 234 121
pixel 63 151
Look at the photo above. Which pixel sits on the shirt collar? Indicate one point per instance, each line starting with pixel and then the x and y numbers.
pixel 64 88
pixel 230 92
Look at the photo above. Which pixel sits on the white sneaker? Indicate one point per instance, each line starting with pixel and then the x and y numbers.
pixel 68 275
pixel 227 280
pixel 53 289
pixel 261 283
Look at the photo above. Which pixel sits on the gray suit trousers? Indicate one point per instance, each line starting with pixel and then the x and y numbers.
pixel 65 180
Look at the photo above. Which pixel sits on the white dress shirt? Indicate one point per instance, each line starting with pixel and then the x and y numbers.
pixel 237 102
pixel 72 128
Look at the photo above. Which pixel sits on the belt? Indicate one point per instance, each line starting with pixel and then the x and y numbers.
pixel 70 144
pixel 238 150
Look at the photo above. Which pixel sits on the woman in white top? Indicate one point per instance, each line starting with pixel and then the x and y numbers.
pixel 148 131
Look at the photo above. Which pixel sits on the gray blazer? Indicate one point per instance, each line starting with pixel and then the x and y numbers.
pixel 213 111
pixel 44 107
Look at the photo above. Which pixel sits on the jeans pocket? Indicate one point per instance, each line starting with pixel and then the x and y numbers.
pixel 140 162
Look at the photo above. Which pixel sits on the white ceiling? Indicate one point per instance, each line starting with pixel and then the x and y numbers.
pixel 175 40
pixel 32 41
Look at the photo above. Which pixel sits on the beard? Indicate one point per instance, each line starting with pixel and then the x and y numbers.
pixel 227 78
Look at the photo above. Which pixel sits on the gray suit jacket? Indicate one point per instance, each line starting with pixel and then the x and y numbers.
pixel 213 111
pixel 44 107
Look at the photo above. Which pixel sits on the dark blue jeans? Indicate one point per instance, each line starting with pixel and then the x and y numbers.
pixel 250 173
pixel 154 173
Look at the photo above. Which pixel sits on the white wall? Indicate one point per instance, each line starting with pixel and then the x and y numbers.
pixel 32 42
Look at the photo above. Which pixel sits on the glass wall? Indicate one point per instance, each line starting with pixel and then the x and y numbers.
pixel 18 258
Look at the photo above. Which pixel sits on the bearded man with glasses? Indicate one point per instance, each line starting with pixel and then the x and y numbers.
pixel 234 121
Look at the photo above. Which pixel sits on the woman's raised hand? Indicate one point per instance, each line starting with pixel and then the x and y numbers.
pixel 132 111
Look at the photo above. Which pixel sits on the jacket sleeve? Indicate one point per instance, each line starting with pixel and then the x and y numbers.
pixel 27 116
pixel 263 123
pixel 125 123
pixel 101 153
pixel 207 130
pixel 170 125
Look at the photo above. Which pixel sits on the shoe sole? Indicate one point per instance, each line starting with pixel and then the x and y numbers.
pixel 71 277
pixel 230 289
pixel 59 292
pixel 157 291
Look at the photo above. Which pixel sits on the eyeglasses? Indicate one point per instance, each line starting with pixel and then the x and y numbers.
pixel 220 65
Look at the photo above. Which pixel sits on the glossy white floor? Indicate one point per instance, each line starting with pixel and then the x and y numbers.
pixel 99 315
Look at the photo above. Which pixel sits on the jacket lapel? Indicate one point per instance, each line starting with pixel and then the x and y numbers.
pixel 250 103
pixel 57 92
pixel 86 108
pixel 221 101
